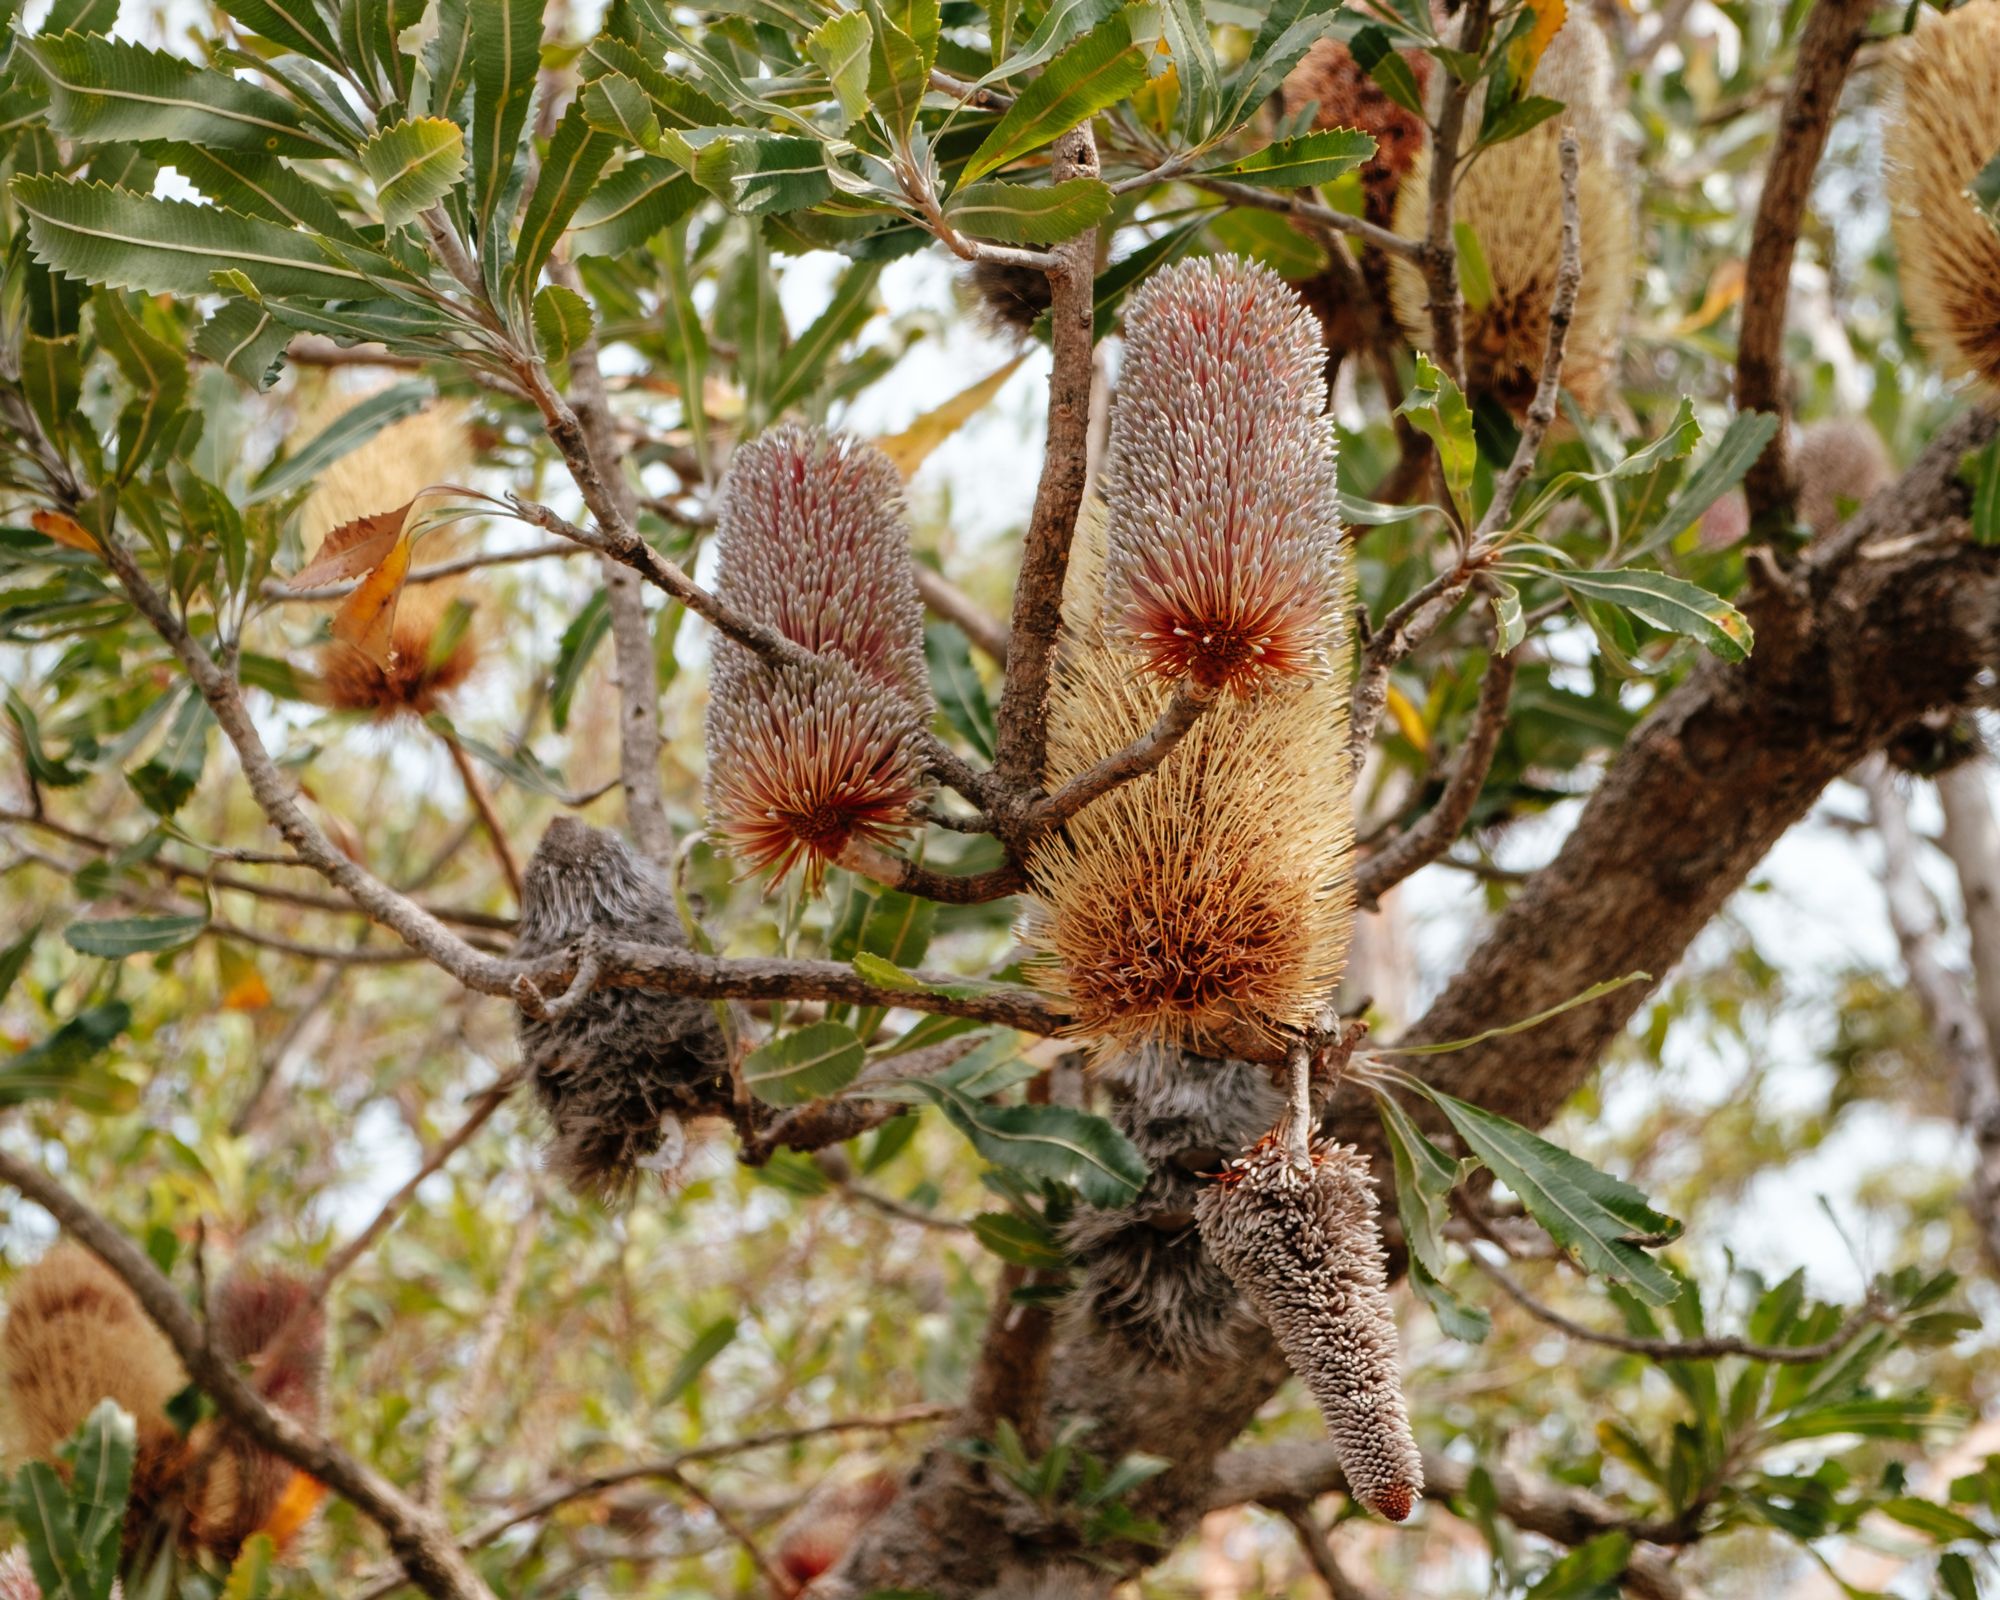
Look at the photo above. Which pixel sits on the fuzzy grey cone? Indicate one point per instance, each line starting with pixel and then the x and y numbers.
pixel 619 1074
pixel 1305 1250
pixel 1142 1275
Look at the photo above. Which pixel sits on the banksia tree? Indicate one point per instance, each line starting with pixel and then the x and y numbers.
pixel 1209 899
pixel 621 1071
pixel 803 763
pixel 1511 198
pixel 1945 130
pixel 1304 1247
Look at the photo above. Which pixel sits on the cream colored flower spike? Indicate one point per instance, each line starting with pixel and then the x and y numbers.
pixel 1511 197
pixel 1945 128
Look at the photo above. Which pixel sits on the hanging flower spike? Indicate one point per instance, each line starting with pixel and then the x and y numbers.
pixel 813 543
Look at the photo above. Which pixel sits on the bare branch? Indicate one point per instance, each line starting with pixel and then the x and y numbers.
pixel 1334 227
pixel 489 817
pixel 1137 759
pixel 952 603
pixel 1023 712
pixel 1439 258
pixel 1832 33
pixel 278 589
pixel 1340 1584
pixel 1432 834
pixel 422 1542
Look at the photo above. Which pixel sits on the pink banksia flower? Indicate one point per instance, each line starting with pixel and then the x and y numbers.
pixel 1223 530
pixel 1305 1249
pixel 801 763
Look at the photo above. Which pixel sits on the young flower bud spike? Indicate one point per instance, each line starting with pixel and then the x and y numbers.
pixel 1304 1248
pixel 1224 531
pixel 813 543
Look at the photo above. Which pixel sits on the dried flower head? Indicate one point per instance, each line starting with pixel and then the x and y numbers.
pixel 1348 97
pixel 1211 900
pixel 241 1488
pixel 1841 464
pixel 1223 532
pixel 1944 131
pixel 1511 198
pixel 813 543
pixel 1010 299
pixel 621 1072
pixel 1142 1276
pixel 432 656
pixel 1305 1249
pixel 75 1335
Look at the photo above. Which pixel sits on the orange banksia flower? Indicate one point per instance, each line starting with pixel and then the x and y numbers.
pixel 1306 1251
pixel 425 666
pixel 1511 198
pixel 1223 533
pixel 1945 129
pixel 813 543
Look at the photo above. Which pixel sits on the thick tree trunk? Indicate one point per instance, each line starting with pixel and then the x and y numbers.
pixel 1894 615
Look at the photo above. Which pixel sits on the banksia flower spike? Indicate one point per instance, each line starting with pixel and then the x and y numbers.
pixel 620 1072
pixel 1511 198
pixel 431 657
pixel 1210 901
pixel 1944 131
pixel 1841 464
pixel 801 764
pixel 240 1488
pixel 1223 539
pixel 1305 1249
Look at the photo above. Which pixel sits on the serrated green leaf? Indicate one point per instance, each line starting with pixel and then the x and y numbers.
pixel 1589 1572
pixel 54 1067
pixel 1469 1324
pixel 1510 122
pixel 296 24
pixel 961 697
pixel 104 89
pixel 100 1479
pixel 1056 1142
pixel 579 642
pixel 613 103
pixel 42 767
pixel 1425 1179
pixel 127 241
pixel 756 173
pixel 1062 22
pixel 1023 213
pixel 1588 1212
pixel 369 33
pixel 1742 442
pixel 413 165
pixel 246 341
pixel 563 324
pixel 899 68
pixel 1185 25
pixel 42 1510
pixel 576 154
pixel 506 42
pixel 1893 1417
pixel 1376 55
pixel 115 938
pixel 1671 604
pixel 1287 30
pixel 1437 408
pixel 258 186
pixel 171 774
pixel 1679 437
pixel 676 102
pixel 717 1337
pixel 1312 158
pixel 804 365
pixel 1097 71
pixel 628 208
pixel 350 430
pixel 448 56
pixel 839 47
pixel 1017 1239
pixel 819 1059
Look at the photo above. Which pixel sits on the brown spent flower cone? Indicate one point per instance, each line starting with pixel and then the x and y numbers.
pixel 1841 464
pixel 1511 197
pixel 1222 536
pixel 1211 900
pixel 428 663
pixel 74 1336
pixel 814 543
pixel 1945 128
pixel 1306 1250
pixel 1009 299
pixel 242 1488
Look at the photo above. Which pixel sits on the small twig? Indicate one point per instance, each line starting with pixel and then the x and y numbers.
pixel 1709 1348
pixel 1432 834
pixel 1832 33
pixel 272 1061
pixel 465 1399
pixel 774 1579
pixel 1340 1584
pixel 1298 1108
pixel 489 818
pixel 970 94
pixel 944 597
pixel 1439 259
pixel 1333 226
pixel 1137 759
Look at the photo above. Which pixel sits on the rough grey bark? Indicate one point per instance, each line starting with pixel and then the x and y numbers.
pixel 1896 614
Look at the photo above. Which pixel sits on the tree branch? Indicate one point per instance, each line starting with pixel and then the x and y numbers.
pixel 947 600
pixel 1439 258
pixel 1832 32
pixel 278 589
pixel 422 1542
pixel 1137 759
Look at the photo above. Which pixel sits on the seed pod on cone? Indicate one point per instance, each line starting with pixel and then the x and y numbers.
pixel 620 1073
pixel 1306 1251
pixel 801 763
pixel 1208 903
pixel 1945 129
pixel 1511 199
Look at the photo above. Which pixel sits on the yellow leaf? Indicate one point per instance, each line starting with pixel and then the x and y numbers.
pixel 367 618
pixel 354 547
pixel 1724 290
pixel 65 531
pixel 1526 52
pixel 909 448
pixel 1409 719
pixel 243 986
